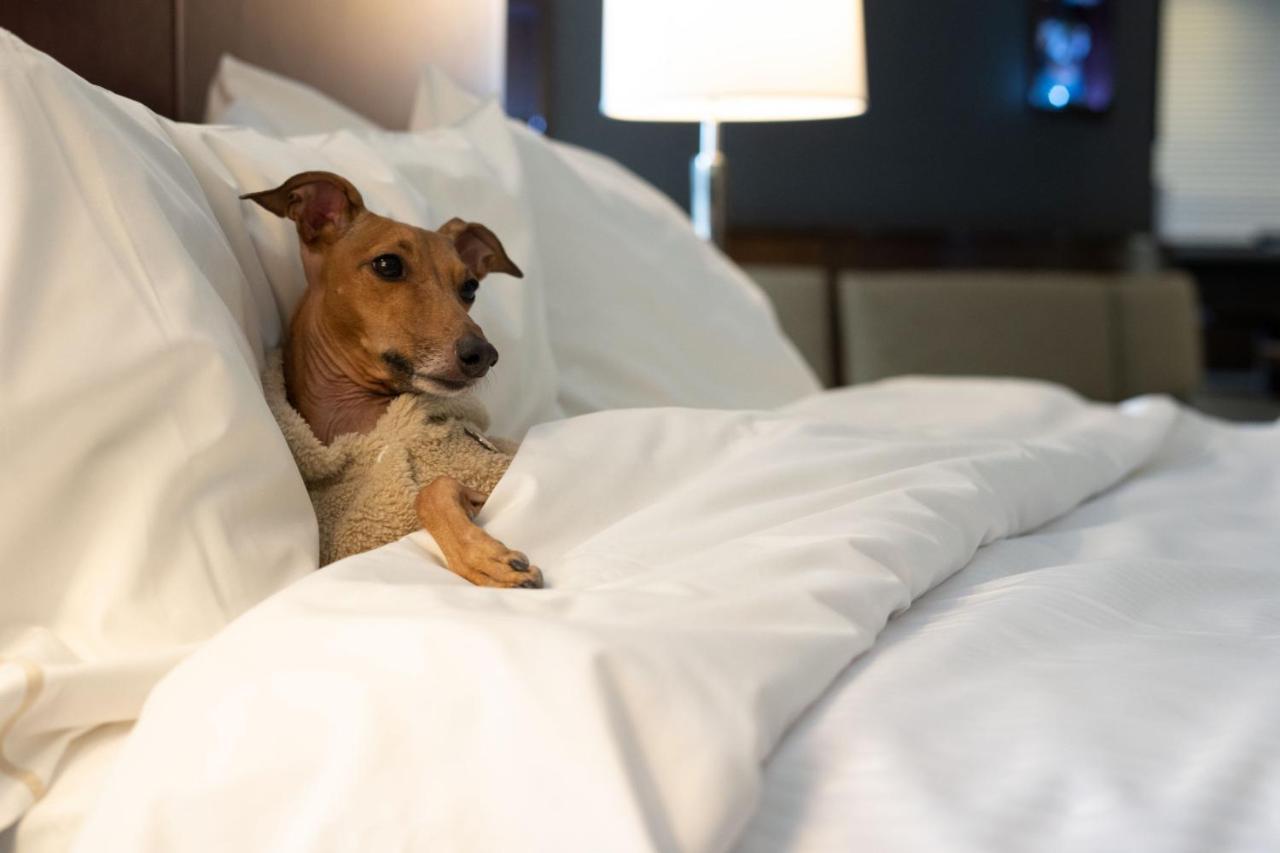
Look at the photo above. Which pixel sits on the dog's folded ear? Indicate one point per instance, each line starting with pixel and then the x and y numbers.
pixel 479 248
pixel 321 203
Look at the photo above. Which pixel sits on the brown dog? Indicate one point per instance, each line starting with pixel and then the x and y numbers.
pixel 385 313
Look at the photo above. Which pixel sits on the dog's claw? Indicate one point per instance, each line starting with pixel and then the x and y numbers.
pixel 493 564
pixel 533 580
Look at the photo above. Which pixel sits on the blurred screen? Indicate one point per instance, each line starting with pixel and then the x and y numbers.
pixel 1071 55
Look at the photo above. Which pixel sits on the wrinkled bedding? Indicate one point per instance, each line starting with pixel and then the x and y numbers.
pixel 711 573
pixel 1106 683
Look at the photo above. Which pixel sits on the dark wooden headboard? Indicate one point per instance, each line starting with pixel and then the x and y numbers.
pixel 130 48
pixel 366 53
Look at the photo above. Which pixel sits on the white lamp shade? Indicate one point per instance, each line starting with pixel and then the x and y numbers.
pixel 733 60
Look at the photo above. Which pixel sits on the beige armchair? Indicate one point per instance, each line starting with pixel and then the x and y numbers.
pixel 1107 335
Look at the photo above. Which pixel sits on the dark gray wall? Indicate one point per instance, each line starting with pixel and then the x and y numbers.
pixel 949 141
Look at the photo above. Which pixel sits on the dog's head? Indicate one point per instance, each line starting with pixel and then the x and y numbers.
pixel 397 295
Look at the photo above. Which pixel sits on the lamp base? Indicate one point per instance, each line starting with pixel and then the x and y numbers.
pixel 708 178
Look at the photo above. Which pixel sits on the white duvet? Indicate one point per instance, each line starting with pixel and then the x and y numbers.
pixel 1109 683
pixel 711 573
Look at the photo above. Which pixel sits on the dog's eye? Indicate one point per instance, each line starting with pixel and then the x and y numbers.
pixel 389 267
pixel 468 290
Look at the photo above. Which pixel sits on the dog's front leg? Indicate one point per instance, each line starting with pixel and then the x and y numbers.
pixel 446 509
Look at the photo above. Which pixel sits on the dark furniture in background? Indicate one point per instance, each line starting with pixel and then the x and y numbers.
pixel 1240 295
pixel 835 251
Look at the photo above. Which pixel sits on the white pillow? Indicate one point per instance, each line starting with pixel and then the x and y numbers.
pixel 641 312
pixel 284 107
pixel 441 101
pixel 148 497
pixel 468 171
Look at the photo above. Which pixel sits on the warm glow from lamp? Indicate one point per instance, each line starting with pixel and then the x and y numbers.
pixel 715 61
pixel 733 60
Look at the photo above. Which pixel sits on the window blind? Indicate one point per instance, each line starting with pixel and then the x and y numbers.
pixel 1218 122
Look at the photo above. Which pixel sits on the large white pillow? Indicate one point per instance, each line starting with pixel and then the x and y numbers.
pixel 468 170
pixel 147 497
pixel 243 93
pixel 641 312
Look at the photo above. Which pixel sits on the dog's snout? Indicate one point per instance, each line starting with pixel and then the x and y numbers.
pixel 476 355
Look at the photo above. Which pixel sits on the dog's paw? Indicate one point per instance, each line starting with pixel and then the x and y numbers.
pixel 497 565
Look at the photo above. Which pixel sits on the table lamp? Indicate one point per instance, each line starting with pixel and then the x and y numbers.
pixel 714 61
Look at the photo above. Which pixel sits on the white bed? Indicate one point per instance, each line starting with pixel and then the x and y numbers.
pixel 917 615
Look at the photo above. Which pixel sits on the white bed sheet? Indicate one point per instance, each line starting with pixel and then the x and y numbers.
pixel 1108 683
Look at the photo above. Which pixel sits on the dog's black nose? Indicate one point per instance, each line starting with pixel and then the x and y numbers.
pixel 476 355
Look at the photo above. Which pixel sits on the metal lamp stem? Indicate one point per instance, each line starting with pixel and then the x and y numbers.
pixel 707 176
